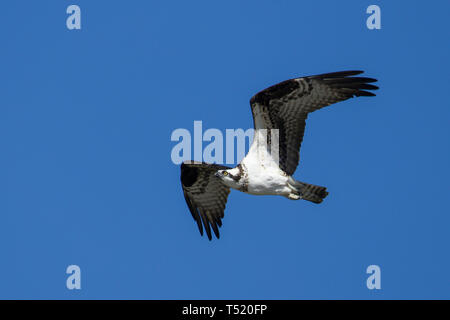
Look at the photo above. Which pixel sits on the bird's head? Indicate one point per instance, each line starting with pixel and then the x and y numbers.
pixel 230 177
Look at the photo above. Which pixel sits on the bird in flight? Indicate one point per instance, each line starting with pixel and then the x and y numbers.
pixel 279 117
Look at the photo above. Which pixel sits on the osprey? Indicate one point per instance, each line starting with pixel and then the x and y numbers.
pixel 279 111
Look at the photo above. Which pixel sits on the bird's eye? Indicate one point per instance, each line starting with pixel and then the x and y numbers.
pixel 225 173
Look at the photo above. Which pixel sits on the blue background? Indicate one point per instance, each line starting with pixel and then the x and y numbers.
pixel 87 179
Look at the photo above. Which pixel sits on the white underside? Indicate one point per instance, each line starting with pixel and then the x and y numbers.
pixel 264 175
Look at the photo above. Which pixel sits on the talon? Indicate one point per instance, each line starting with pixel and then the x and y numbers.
pixel 294 196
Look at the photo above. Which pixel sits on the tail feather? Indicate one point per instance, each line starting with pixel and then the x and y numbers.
pixel 310 192
pixel 314 193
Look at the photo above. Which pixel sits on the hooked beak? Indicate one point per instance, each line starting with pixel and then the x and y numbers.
pixel 218 174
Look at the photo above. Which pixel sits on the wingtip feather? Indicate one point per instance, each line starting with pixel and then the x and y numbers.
pixel 338 74
pixel 362 93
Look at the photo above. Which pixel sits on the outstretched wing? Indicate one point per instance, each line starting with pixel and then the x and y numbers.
pixel 205 194
pixel 285 106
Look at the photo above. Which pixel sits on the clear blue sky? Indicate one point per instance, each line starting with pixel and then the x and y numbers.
pixel 86 176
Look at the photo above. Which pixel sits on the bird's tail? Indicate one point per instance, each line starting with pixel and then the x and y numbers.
pixel 308 191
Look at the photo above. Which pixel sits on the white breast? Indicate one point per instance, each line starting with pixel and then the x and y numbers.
pixel 264 174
